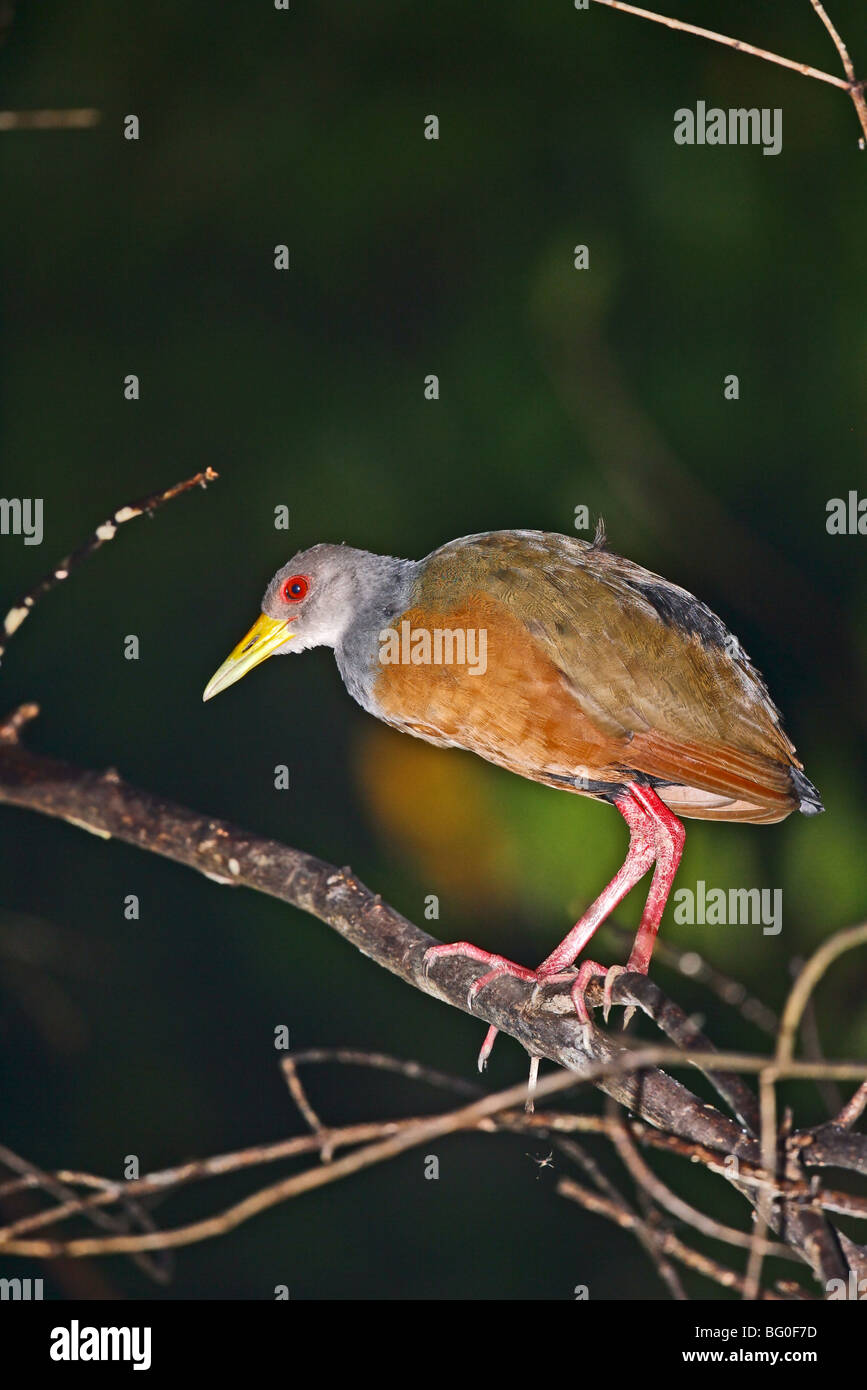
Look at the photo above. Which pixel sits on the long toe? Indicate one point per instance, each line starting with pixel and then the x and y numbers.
pixel 612 975
pixel 457 948
pixel 588 969
pixel 487 1046
pixel 500 966
pixel 532 1081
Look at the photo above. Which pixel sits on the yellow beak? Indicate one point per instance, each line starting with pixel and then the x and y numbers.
pixel 263 639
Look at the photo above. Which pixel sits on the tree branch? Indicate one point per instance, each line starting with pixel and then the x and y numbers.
pixel 848 84
pixel 670 1244
pixel 105 805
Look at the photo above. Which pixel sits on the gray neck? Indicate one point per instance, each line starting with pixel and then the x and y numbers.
pixel 388 591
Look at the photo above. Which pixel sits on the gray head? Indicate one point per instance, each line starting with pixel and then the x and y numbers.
pixel 315 600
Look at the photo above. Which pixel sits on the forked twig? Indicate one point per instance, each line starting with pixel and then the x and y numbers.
pixel 848 84
pixel 670 1243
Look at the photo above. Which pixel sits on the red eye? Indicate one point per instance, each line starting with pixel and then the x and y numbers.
pixel 295 588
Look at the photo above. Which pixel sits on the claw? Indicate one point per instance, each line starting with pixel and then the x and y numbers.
pixel 612 975
pixel 498 966
pixel 478 985
pixel 529 1103
pixel 586 972
pixel 487 1047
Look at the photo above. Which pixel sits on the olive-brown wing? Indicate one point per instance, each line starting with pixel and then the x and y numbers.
pixel 668 690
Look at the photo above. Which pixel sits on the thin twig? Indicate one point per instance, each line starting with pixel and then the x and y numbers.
pixel 702 1264
pixel 62 1193
pixel 763 1213
pixel 853 1109
pixel 806 982
pixel 299 1095
pixel 648 1235
pixel 647 1181
pixel 848 84
pixel 515 1121
pixel 811 1042
pixel 106 532
pixel 383 1061
pixel 405 1138
pixel 799 996
pixel 79 118
pixel 685 1033
pixel 171 1179
pixel 837 41
pixel 804 68
pixel 282 1191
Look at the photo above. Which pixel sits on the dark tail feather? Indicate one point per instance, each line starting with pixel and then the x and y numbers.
pixel 809 799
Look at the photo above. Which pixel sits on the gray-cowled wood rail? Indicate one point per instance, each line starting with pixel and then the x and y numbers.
pixel 563 662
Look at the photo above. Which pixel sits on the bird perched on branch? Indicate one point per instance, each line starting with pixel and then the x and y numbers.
pixel 565 663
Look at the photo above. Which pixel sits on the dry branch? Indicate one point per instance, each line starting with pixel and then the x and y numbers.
pixel 107 806
pixel 145 506
pixel 76 118
pixel 848 84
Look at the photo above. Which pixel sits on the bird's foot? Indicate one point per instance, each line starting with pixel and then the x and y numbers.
pixel 586 972
pixel 499 965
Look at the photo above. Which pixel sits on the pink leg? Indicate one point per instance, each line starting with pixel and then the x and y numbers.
pixel 640 856
pixel 669 836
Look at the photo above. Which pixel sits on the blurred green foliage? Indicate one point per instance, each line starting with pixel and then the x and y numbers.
pixel 558 388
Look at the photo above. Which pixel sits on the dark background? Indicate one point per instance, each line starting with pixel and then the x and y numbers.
pixel 305 388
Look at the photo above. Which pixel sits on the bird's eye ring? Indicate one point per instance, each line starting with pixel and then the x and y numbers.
pixel 295 588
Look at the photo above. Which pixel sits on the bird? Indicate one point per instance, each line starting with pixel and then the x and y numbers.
pixel 561 661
